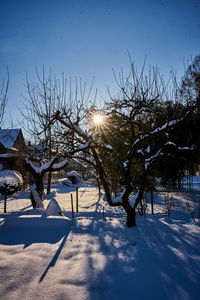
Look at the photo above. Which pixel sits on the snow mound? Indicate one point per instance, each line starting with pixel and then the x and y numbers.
pixel 53 208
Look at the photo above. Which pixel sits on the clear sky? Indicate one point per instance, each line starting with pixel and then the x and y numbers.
pixel 87 38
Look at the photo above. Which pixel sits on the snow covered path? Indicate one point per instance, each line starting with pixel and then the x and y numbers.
pixel 90 258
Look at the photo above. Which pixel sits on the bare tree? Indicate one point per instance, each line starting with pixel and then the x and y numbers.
pixel 133 132
pixel 146 131
pixel 142 134
pixel 3 96
pixel 190 85
pixel 43 98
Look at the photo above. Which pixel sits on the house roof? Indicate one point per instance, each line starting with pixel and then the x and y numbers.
pixel 8 137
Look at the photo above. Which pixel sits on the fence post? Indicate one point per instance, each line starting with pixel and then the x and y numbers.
pixel 77 200
pixel 72 206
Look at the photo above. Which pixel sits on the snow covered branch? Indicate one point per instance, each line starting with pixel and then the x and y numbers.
pixel 45 167
pixel 158 130
pixel 60 165
pixel 149 160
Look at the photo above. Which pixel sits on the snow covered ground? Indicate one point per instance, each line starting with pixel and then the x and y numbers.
pixel 98 257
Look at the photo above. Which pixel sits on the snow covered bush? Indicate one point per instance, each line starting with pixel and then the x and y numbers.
pixel 74 177
pixel 10 183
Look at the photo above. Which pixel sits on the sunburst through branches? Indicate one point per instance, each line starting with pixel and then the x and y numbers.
pixel 99 122
pixel 98 119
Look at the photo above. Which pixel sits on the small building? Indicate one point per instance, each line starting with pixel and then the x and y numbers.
pixel 12 149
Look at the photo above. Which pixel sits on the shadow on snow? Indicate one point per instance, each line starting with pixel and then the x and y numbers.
pixel 28 230
pixel 159 259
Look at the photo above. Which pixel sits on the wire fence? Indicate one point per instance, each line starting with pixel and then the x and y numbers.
pixel 17 202
pixel 86 200
pixel 83 199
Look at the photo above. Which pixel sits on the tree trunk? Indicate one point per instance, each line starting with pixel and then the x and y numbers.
pixel 33 202
pixel 50 156
pixel 131 216
pixel 5 200
pixel 49 182
pixel 99 185
pixel 102 179
pixel 39 185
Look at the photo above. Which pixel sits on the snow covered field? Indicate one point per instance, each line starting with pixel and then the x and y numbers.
pixel 96 257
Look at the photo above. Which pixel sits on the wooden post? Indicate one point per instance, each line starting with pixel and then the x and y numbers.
pixel 77 200
pixel 152 201
pixel 72 206
pixel 5 204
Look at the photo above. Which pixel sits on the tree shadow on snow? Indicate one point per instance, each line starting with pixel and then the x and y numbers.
pixel 159 259
pixel 55 257
pixel 18 229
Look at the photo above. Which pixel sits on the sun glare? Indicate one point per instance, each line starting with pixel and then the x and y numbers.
pixel 98 119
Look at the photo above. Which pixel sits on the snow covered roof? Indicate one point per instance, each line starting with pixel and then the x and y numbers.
pixel 8 137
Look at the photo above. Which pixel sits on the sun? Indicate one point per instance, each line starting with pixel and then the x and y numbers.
pixel 99 122
pixel 98 119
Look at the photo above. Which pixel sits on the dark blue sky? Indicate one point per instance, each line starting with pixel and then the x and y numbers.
pixel 86 38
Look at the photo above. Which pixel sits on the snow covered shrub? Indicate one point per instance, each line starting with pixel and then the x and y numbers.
pixel 74 177
pixel 10 183
pixel 192 206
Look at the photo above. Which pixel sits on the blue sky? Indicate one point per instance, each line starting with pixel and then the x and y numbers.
pixel 86 38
